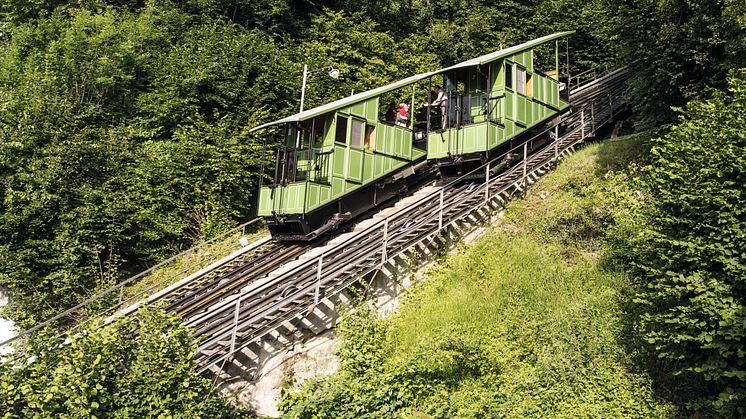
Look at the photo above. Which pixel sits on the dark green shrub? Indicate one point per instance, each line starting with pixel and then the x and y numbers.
pixel 692 256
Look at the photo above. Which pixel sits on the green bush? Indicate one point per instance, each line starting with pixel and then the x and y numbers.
pixel 524 323
pixel 691 257
pixel 135 367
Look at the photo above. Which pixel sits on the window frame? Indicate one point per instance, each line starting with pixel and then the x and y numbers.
pixel 346 129
pixel 509 75
pixel 520 80
pixel 361 139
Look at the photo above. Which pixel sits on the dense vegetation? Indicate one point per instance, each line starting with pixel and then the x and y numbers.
pixel 124 124
pixel 138 367
pixel 124 137
pixel 689 255
pixel 525 323
pixel 570 321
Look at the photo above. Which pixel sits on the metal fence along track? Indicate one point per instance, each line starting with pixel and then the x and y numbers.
pixel 239 299
pixel 242 318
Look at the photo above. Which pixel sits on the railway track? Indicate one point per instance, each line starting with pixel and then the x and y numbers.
pixel 241 298
pixel 264 304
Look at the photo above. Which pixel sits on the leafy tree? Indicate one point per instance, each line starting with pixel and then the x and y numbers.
pixel 123 136
pixel 135 367
pixel 692 257
pixel 676 49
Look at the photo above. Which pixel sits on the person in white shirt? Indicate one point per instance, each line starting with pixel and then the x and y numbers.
pixel 441 99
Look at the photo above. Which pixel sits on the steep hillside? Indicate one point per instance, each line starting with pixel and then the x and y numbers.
pixel 526 322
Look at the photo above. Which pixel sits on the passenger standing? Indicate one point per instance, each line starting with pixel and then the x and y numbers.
pixel 441 99
pixel 402 115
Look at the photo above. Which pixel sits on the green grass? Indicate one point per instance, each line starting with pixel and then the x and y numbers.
pixel 187 264
pixel 527 322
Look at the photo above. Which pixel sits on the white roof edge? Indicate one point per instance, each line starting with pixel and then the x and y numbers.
pixel 359 97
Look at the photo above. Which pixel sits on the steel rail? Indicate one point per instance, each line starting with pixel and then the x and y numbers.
pixel 237 321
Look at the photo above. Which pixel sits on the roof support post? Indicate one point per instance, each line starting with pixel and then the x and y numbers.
pixel 303 87
pixel 411 114
pixel 567 59
pixel 556 59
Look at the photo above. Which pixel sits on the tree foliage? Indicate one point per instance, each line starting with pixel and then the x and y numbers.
pixel 124 136
pixel 676 49
pixel 124 123
pixel 135 367
pixel 692 257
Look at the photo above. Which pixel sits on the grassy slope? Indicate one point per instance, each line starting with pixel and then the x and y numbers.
pixel 524 323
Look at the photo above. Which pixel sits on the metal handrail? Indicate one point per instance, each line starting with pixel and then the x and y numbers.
pixel 127 282
pixel 224 310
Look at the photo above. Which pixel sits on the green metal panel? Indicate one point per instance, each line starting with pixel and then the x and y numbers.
pixel 517 58
pixel 539 88
pixel 437 144
pixel 287 199
pixel 317 196
pixel 494 132
pixel 313 196
pixel 371 110
pixel 498 70
pixel 330 121
pixel 520 109
pixel 367 167
pixel 377 164
pixel 296 197
pixel 340 161
pixel 338 187
pixel 509 105
pixel 556 98
pixel 355 160
pixel 509 129
pixel 358 110
pixel 265 202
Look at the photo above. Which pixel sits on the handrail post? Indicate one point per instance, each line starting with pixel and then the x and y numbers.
pixel 440 211
pixel 593 120
pixel 582 124
pixel 556 142
pixel 611 108
pixel 487 183
pixel 384 256
pixel 318 280
pixel 525 162
pixel 235 324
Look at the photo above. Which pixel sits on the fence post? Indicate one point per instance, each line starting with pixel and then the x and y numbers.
pixel 440 211
pixel 582 124
pixel 384 256
pixel 318 280
pixel 525 162
pixel 556 142
pixel 235 325
pixel 487 183
pixel 593 120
